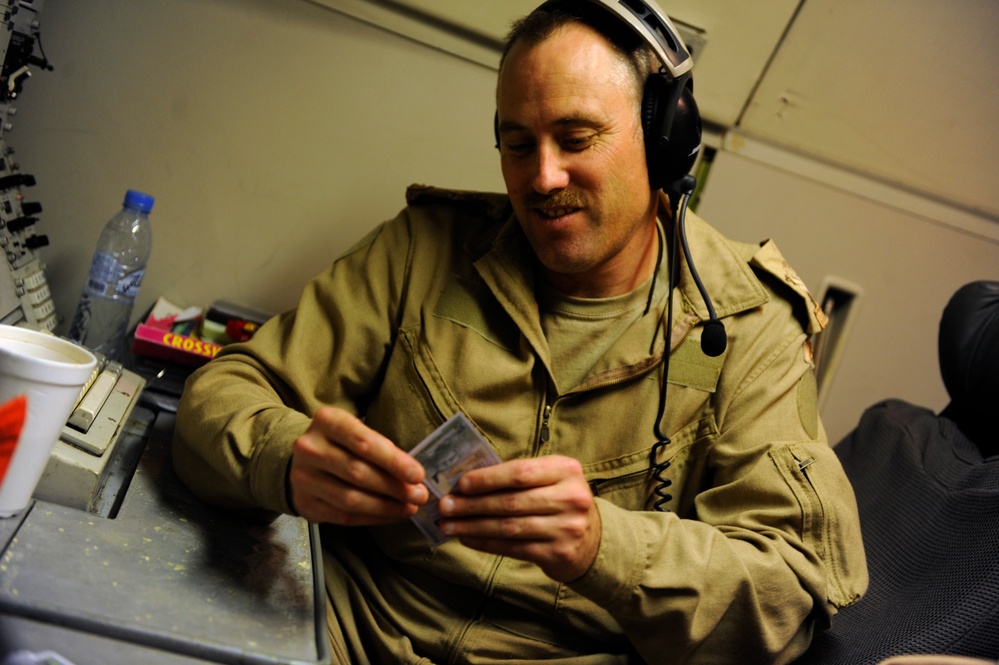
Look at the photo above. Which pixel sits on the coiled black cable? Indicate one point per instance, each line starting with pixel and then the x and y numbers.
pixel 658 468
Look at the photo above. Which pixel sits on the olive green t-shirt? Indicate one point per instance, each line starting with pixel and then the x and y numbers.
pixel 580 330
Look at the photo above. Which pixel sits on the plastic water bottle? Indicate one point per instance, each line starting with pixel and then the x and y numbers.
pixel 119 263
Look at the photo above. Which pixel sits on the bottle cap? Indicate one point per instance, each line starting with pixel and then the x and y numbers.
pixel 138 200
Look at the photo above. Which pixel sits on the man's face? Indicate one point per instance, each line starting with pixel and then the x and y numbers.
pixel 573 159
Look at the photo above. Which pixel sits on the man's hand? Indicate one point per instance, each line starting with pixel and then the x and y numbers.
pixel 539 510
pixel 344 472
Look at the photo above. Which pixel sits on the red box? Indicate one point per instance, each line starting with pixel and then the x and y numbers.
pixel 162 335
pixel 167 345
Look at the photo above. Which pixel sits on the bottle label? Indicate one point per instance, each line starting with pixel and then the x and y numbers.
pixel 108 277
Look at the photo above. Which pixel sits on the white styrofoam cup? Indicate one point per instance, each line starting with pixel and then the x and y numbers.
pixel 51 372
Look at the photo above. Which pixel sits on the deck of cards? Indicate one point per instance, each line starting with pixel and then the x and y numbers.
pixel 449 452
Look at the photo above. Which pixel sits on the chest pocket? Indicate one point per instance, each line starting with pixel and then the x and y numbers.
pixel 628 482
pixel 462 302
pixel 462 353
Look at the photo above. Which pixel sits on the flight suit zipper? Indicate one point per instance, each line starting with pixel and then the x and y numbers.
pixel 545 433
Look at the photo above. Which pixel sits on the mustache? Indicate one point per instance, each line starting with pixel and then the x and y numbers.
pixel 564 198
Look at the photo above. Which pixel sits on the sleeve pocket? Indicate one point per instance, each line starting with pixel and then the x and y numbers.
pixel 829 521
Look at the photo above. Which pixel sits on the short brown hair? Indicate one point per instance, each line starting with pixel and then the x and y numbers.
pixel 544 21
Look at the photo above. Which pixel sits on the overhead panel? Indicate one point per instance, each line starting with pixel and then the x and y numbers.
pixel 732 40
pixel 904 92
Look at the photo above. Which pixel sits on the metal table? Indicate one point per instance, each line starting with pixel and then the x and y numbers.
pixel 167 580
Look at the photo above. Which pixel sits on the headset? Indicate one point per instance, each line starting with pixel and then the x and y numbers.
pixel 670 119
pixel 671 126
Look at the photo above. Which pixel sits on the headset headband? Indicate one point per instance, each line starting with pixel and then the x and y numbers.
pixel 654 27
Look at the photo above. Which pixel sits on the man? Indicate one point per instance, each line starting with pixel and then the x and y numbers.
pixel 542 316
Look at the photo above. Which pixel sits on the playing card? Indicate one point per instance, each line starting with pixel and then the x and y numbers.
pixel 450 451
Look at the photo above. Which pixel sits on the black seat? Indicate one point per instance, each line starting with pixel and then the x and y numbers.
pixel 927 489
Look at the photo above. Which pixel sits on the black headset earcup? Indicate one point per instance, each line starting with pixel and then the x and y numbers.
pixel 672 126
